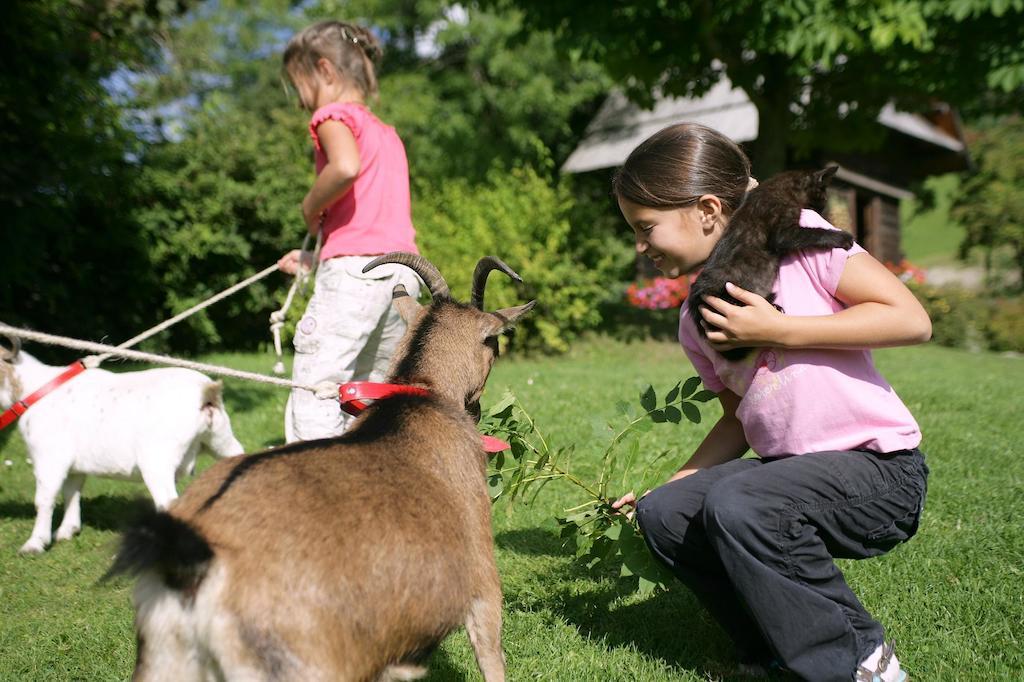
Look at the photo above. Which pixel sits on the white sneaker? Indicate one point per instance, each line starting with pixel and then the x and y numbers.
pixel 881 666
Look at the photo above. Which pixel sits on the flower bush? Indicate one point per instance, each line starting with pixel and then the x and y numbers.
pixel 659 293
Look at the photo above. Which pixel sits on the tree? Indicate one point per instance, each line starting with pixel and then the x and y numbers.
pixel 990 201
pixel 70 254
pixel 475 104
pixel 817 70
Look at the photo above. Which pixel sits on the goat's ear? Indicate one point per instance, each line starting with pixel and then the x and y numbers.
pixel 405 304
pixel 504 319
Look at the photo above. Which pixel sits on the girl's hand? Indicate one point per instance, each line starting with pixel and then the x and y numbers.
pixel 755 323
pixel 628 500
pixel 290 262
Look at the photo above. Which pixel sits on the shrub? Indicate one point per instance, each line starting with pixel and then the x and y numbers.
pixel 1005 326
pixel 958 316
pixel 523 219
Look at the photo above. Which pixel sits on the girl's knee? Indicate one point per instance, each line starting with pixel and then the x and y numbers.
pixel 731 505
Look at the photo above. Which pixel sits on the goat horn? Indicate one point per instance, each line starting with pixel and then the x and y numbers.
pixel 13 352
pixel 483 268
pixel 427 271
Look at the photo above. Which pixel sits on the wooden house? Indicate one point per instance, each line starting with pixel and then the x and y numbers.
pixel 867 189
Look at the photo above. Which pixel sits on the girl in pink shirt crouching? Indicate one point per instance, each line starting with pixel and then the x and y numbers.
pixel 360 204
pixel 838 472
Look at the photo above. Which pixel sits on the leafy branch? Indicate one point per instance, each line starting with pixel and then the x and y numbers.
pixel 600 536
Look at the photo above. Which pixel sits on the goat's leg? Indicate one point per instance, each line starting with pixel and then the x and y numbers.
pixel 483 623
pixel 72 521
pixel 47 485
pixel 159 479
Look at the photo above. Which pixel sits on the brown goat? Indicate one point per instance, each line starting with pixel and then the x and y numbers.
pixel 348 558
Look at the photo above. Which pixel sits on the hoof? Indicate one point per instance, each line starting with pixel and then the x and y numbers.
pixel 67 534
pixel 32 547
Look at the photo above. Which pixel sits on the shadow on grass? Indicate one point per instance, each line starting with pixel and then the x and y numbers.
pixel 441 669
pixel 103 512
pixel 531 541
pixel 671 626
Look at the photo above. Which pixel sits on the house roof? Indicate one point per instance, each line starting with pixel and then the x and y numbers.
pixel 620 125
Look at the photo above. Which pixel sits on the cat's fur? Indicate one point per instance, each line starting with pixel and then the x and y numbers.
pixel 762 230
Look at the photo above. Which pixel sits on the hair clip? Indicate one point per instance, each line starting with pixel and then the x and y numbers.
pixel 348 36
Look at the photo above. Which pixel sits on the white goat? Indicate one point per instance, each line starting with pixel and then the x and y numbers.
pixel 150 423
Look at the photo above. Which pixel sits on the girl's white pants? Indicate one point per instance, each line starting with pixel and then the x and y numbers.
pixel 349 332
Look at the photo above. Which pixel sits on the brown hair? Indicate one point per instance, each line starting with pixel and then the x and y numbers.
pixel 351 49
pixel 677 165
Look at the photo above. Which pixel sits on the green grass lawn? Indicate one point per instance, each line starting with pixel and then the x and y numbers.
pixel 953 597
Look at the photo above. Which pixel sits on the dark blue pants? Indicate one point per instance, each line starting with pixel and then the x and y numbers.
pixel 755 540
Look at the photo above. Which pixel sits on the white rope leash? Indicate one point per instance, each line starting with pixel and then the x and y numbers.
pixel 323 390
pixel 182 315
pixel 302 276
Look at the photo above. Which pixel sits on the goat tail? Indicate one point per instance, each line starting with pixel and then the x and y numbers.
pixel 166 545
pixel 213 394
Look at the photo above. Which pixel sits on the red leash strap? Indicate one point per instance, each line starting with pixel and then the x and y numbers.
pixel 352 395
pixel 18 408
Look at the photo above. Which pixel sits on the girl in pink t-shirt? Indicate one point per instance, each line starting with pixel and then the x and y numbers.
pixel 838 473
pixel 360 205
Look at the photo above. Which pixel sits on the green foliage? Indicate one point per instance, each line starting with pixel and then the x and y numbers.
pixel 852 58
pixel 958 316
pixel 990 200
pixel 601 537
pixel 489 93
pixel 72 261
pixel 524 219
pixel 1005 326
pixel 223 203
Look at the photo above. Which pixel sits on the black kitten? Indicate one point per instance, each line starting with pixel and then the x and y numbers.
pixel 763 229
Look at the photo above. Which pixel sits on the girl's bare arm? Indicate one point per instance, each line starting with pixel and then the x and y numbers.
pixel 724 442
pixel 343 165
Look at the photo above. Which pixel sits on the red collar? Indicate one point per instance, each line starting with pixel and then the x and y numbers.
pixel 353 393
pixel 19 407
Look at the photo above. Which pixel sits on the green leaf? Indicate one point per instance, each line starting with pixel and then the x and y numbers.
pixel 691 412
pixel 673 414
pixel 704 396
pixel 542 460
pixel 689 387
pixel 649 399
pixel 623 407
pixel 507 400
pixel 495 484
pixel 671 395
pixel 658 416
pixel 645 587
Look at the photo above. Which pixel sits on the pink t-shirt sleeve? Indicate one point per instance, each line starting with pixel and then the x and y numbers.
pixel 701 362
pixel 826 266
pixel 348 114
